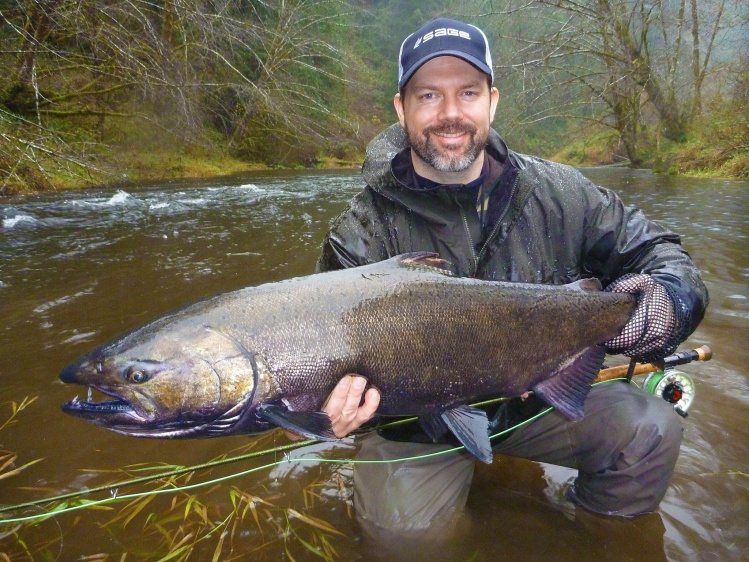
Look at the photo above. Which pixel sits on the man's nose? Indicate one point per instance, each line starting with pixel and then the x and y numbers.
pixel 450 108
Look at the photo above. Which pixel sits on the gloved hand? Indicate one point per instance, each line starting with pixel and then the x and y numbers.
pixel 655 328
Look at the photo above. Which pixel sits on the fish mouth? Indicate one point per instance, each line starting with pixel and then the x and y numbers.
pixel 120 416
pixel 78 406
pixel 104 410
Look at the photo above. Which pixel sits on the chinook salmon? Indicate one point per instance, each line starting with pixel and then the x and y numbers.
pixel 268 356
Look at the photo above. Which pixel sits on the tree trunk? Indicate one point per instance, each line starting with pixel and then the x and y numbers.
pixel 38 25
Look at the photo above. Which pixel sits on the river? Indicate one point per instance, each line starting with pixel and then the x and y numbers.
pixel 77 268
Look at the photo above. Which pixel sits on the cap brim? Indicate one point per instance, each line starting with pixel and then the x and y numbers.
pixel 481 65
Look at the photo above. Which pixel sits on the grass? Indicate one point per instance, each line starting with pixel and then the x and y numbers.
pixel 166 519
pixel 596 150
pixel 694 157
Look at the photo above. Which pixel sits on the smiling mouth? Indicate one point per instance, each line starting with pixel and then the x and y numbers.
pixel 449 133
pixel 449 136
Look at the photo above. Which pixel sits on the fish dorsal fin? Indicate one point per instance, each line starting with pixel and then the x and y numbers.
pixel 312 425
pixel 471 426
pixel 568 387
pixel 589 285
pixel 429 261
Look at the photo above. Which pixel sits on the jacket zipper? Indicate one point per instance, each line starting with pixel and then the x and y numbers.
pixel 496 225
pixel 468 234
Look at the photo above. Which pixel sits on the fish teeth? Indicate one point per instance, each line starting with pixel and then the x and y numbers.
pixel 90 394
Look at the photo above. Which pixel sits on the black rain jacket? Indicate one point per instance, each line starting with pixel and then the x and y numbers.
pixel 554 226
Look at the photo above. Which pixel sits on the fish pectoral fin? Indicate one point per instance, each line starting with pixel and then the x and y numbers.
pixel 429 261
pixel 471 426
pixel 312 425
pixel 568 387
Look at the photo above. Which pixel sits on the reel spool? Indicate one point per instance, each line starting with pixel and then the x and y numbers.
pixel 675 387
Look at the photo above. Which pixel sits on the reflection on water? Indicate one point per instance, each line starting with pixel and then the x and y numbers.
pixel 79 268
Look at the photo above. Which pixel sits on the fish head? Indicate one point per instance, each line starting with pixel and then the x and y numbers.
pixel 191 381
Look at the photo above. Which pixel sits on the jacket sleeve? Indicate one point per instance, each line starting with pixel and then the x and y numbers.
pixel 620 240
pixel 358 236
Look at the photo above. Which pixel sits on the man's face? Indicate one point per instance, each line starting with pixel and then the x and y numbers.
pixel 446 109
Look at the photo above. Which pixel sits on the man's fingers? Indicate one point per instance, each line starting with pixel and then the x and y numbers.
pixel 345 407
pixel 346 397
pixel 337 399
pixel 367 410
pixel 350 406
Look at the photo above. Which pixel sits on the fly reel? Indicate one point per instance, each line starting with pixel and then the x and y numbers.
pixel 675 387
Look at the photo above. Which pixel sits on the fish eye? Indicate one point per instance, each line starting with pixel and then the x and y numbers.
pixel 136 375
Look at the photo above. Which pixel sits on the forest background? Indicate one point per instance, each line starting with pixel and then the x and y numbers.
pixel 110 91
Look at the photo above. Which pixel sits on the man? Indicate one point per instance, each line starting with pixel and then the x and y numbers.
pixel 442 180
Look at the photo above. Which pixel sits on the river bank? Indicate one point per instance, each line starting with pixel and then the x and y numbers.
pixel 116 165
pixel 127 166
pixel 720 152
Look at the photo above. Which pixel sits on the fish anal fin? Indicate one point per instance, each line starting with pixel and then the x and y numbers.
pixel 312 425
pixel 568 387
pixel 429 261
pixel 433 426
pixel 471 426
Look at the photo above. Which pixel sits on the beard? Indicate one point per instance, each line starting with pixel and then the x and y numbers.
pixel 450 159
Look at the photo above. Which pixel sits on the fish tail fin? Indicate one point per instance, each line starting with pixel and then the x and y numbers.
pixel 567 389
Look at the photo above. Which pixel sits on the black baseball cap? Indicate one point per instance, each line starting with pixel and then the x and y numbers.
pixel 441 37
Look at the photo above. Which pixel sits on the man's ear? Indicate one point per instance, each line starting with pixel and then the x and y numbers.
pixel 398 104
pixel 493 101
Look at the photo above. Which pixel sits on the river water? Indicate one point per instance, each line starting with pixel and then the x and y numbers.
pixel 79 268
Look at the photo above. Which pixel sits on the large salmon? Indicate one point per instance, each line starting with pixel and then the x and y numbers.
pixel 267 356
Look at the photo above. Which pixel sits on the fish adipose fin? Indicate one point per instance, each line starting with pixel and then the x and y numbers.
pixel 428 261
pixel 312 425
pixel 566 390
pixel 471 426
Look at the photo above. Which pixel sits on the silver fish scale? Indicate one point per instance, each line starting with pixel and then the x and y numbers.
pixel 427 340
pixel 423 338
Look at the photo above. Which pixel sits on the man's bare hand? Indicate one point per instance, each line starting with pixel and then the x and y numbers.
pixel 345 407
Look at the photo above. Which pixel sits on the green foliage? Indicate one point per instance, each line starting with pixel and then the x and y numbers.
pixel 598 149
pixel 717 144
pixel 294 83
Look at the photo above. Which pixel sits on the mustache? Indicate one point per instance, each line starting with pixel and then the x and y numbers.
pixel 451 128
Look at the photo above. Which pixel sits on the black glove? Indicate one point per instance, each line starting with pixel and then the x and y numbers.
pixel 657 325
